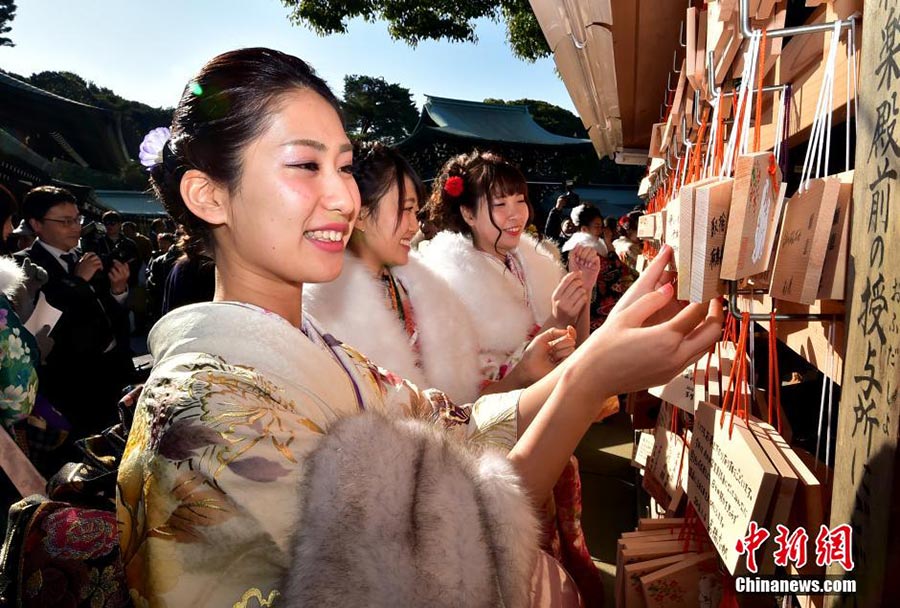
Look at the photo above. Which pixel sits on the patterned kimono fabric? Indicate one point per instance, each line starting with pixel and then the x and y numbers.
pixel 209 487
pixel 614 279
pixel 562 534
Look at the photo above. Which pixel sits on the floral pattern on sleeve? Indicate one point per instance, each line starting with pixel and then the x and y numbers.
pixel 18 367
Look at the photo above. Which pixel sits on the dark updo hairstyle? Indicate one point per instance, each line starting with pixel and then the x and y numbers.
pixel 485 175
pixel 378 167
pixel 222 109
pixel 584 214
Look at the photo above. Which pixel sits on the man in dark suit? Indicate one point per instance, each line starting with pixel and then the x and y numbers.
pixel 90 362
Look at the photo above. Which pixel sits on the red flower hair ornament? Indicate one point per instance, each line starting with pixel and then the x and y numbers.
pixel 454 186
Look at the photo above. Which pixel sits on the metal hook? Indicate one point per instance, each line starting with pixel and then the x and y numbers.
pixel 684 138
pixel 675 68
pixel 697 107
pixel 747 31
pixel 682 40
pixel 669 83
pixel 733 307
pixel 711 88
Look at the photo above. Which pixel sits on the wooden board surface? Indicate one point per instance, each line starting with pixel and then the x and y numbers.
pixel 755 208
pixel 803 242
pixel 711 205
pixel 731 482
pixel 866 471
pixel 834 270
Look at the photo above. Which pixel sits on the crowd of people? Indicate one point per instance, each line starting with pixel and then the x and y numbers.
pixel 352 374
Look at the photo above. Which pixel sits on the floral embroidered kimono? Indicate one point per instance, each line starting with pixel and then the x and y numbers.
pixel 508 303
pixel 209 488
pixel 19 355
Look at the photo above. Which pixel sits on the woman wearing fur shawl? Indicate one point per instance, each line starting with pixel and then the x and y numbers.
pixel 269 465
pixel 513 287
pixel 400 313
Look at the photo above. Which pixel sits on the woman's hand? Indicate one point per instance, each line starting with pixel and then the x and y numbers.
pixel 568 300
pixel 545 352
pixel 653 277
pixel 644 345
pixel 585 260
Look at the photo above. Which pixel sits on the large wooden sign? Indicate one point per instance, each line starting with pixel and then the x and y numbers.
pixel 805 230
pixel 711 206
pixel 755 208
pixel 731 482
pixel 866 473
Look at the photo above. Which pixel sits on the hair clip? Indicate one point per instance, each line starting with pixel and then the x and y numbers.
pixel 454 186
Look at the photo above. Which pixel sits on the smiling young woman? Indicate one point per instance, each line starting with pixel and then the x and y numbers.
pixel 267 460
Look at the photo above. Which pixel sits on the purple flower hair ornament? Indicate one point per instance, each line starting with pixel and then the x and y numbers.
pixel 151 151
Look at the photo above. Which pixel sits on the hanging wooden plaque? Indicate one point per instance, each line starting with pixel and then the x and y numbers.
pixel 803 241
pixel 632 596
pixel 711 207
pixel 679 391
pixel 755 207
pixel 690 51
pixel 834 270
pixel 643 447
pixel 731 481
pixel 678 585
pixel 683 208
pixel 647 226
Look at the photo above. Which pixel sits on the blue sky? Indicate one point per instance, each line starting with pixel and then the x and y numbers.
pixel 147 51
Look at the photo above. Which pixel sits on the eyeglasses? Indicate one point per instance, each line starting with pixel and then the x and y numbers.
pixel 67 222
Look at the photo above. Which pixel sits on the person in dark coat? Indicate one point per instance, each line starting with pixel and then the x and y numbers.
pixel 90 361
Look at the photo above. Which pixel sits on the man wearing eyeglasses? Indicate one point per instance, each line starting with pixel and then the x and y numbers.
pixel 90 361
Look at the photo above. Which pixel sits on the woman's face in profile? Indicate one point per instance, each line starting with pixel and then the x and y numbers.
pixel 387 239
pixel 293 212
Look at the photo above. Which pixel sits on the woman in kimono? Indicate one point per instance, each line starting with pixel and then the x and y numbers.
pixel 397 311
pixel 268 464
pixel 506 279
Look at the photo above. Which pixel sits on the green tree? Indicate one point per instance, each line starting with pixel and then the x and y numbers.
pixel 375 109
pixel 137 118
pixel 553 118
pixel 7 14
pixel 413 21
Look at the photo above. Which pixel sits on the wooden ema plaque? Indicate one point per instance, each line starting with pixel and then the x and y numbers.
pixel 680 219
pixel 711 205
pixel 730 484
pixel 633 596
pixel 834 271
pixel 647 226
pixel 803 242
pixel 754 213
pixel 679 391
pixel 642 450
pixel 785 488
pixel 666 467
pixel 678 585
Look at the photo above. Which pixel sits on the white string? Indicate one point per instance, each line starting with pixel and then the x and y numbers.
pixel 779 125
pixel 746 87
pixel 713 135
pixel 851 80
pixel 831 363
pixel 817 144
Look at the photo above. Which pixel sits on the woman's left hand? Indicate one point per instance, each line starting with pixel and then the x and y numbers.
pixel 586 260
pixel 545 352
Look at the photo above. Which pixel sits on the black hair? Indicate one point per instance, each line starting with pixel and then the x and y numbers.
pixel 484 175
pixel 376 169
pixel 584 214
pixel 38 201
pixel 222 109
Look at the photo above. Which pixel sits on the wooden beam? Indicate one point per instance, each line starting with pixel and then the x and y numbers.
pixel 866 473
